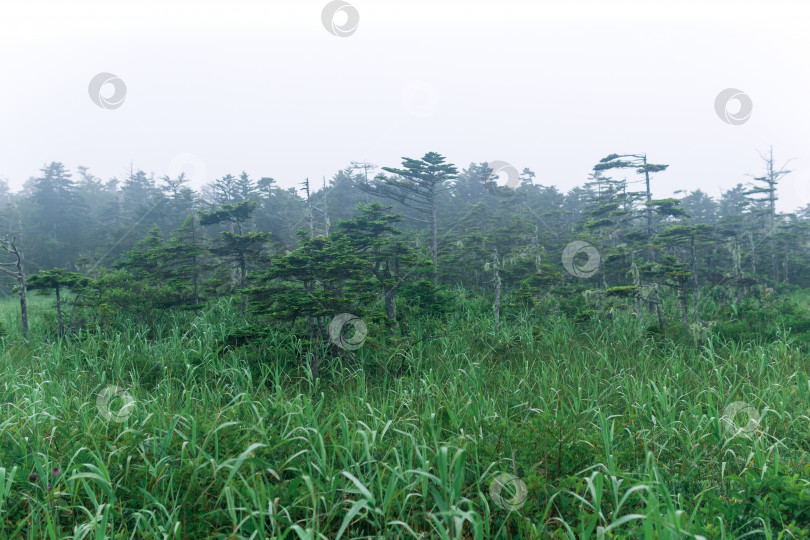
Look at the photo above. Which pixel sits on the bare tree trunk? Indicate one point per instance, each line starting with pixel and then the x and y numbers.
pixel 435 240
pixel 18 274
pixel 753 254
pixel 649 219
pixel 194 262
pixel 497 306
pixel 309 208
pixel 60 330
pixel 736 254
pixel 649 208
pixel 325 210
pixel 637 283
pixel 604 288
pixel 772 179
pixel 658 312
pixel 695 291
pixel 242 282
pixel 391 310
pixel 23 306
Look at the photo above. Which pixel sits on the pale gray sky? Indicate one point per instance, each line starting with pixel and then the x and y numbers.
pixel 263 86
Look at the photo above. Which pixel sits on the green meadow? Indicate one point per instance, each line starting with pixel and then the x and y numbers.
pixel 552 428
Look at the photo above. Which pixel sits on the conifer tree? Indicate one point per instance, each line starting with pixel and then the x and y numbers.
pixel 391 260
pixel 417 185
pixel 240 248
pixel 57 280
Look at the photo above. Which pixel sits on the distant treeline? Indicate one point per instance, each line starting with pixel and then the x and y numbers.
pixel 422 224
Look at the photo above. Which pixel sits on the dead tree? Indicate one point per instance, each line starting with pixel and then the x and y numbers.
pixel 497 306
pixel 16 270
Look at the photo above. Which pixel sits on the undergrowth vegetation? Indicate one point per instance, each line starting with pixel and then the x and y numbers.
pixel 210 428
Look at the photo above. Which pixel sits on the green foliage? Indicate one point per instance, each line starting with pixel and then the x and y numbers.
pixel 616 428
pixel 597 421
pixel 764 320
pixel 56 278
pixel 627 291
pixel 426 298
pixel 585 315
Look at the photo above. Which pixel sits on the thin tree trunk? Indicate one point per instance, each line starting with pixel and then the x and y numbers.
pixel 637 283
pixel 497 306
pixel 391 309
pixel 649 220
pixel 194 263
pixel 325 210
pixel 604 288
pixel 435 240
pixel 23 307
pixel 309 207
pixel 242 271
pixel 695 291
pixel 753 254
pixel 19 274
pixel 772 181
pixel 60 331
pixel 658 312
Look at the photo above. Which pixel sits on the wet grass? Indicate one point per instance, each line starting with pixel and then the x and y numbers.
pixel 610 432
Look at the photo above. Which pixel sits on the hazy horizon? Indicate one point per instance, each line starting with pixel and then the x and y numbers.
pixel 264 87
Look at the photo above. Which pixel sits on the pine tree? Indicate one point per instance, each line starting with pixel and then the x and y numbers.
pixel 417 185
pixel 391 260
pixel 57 280
pixel 239 248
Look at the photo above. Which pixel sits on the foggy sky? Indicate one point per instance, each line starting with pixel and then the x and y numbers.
pixel 264 87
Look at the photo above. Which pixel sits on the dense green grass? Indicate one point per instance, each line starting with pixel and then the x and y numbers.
pixel 613 431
